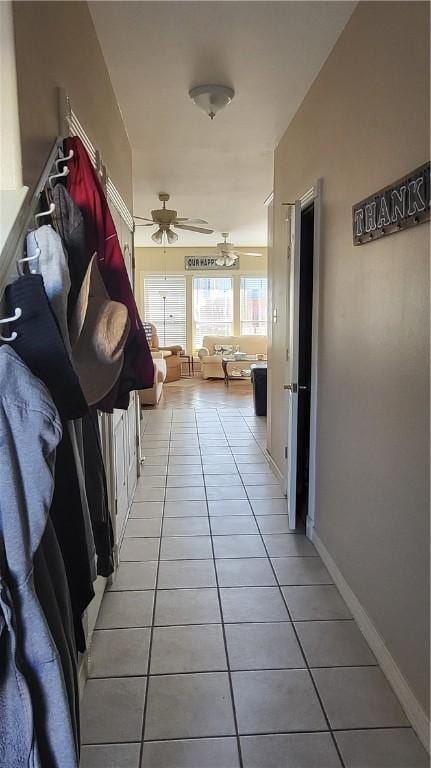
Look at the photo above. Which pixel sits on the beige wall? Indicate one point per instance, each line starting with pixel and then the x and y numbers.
pixel 57 46
pixel 363 124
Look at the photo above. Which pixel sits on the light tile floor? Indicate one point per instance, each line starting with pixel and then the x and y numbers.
pixel 222 642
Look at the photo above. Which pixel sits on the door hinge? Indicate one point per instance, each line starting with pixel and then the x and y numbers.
pixel 285 451
pixel 287 354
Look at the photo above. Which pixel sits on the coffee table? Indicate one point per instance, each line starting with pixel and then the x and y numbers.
pixel 228 359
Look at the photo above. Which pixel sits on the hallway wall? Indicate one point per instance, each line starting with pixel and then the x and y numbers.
pixel 363 124
pixel 57 46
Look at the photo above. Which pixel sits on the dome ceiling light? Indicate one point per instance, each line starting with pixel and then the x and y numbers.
pixel 212 98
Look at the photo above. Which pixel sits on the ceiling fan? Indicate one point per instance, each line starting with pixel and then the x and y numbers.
pixel 164 219
pixel 228 255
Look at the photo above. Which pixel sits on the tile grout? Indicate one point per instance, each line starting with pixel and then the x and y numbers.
pixel 150 645
pixel 235 717
pixel 235 459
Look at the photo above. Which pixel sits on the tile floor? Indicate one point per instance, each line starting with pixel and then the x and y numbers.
pixel 222 642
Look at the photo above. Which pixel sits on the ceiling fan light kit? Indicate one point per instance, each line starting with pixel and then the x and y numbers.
pixel 165 219
pixel 228 254
pixel 212 98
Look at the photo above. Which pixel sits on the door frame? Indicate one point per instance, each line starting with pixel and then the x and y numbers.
pixel 312 195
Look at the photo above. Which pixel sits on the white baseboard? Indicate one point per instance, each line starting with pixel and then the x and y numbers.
pixel 413 709
pixel 274 468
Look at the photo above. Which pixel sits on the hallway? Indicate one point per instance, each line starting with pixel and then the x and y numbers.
pixel 222 641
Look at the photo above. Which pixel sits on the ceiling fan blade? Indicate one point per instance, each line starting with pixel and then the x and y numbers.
pixel 191 221
pixel 144 218
pixel 247 253
pixel 153 223
pixel 194 229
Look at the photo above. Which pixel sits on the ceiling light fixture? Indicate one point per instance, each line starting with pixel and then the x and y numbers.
pixel 212 98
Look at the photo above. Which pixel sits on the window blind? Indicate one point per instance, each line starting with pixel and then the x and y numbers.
pixel 212 307
pixel 165 307
pixel 253 306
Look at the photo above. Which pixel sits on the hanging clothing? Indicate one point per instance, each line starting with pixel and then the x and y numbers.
pixel 69 223
pixel 30 430
pixel 97 492
pixel 18 747
pixel 52 265
pixel 41 347
pixel 71 533
pixel 52 591
pixel 83 185
pixel 40 344
pixel 59 277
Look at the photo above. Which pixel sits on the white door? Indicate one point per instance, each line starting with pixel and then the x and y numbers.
pixel 292 386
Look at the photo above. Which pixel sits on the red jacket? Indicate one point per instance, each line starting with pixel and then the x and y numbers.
pixel 83 185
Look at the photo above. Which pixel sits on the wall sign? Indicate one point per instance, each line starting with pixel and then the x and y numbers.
pixel 402 204
pixel 197 263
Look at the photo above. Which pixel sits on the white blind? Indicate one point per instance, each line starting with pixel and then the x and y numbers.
pixel 165 307
pixel 253 306
pixel 212 307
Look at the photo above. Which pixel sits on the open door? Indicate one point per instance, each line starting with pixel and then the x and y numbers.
pixel 292 386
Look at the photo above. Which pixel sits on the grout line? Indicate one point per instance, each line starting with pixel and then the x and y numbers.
pixel 294 628
pixel 217 671
pixel 301 646
pixel 150 645
pixel 211 586
pixel 236 459
pixel 215 623
pixel 261 733
pixel 238 740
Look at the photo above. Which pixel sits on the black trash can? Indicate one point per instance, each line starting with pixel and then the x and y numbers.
pixel 259 381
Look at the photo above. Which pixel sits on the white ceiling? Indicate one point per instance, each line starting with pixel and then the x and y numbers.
pixel 269 52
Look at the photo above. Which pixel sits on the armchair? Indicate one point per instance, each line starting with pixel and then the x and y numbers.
pixel 170 354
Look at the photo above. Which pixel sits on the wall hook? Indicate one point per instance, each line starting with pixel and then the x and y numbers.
pixel 17 314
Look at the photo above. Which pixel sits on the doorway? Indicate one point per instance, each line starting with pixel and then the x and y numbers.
pixel 304 361
pixel 302 357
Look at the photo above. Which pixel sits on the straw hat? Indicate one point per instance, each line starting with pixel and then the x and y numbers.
pixel 98 333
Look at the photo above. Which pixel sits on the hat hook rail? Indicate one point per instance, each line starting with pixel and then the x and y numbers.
pixel 61 175
pixel 26 259
pixel 49 212
pixel 64 159
pixel 17 314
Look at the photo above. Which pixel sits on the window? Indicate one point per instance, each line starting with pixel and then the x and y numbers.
pixel 165 307
pixel 253 306
pixel 212 307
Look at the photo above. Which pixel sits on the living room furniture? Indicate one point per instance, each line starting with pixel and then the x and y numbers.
pixel 152 396
pixel 170 354
pixel 190 362
pixel 211 361
pixel 259 375
pixel 235 369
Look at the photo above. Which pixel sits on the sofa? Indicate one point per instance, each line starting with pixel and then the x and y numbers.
pixel 211 367
pixel 171 355
pixel 153 395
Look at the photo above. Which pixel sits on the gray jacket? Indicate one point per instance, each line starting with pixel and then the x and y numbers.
pixel 36 726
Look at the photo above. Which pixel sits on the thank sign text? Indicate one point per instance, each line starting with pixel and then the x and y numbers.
pixel 402 204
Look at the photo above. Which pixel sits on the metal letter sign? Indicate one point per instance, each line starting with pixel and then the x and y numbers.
pixel 402 204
